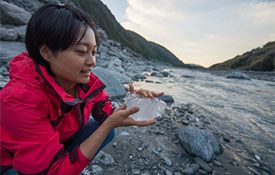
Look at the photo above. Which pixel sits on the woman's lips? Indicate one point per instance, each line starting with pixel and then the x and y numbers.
pixel 86 72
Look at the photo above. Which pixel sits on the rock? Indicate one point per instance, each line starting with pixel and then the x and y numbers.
pixel 167 161
pixel 139 77
pixel 124 133
pixel 217 163
pixel 201 143
pixel 167 99
pixel 7 34
pixel 85 171
pixel 13 15
pixel 203 165
pixel 123 79
pixel 188 171
pixel 167 172
pixel 21 31
pixel 96 170
pixel 28 5
pixel 103 158
pixel 102 34
pixel 238 75
pixel 135 171
pixel 9 49
pixel 113 87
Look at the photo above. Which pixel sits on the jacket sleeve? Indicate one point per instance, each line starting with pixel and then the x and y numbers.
pixel 102 107
pixel 34 143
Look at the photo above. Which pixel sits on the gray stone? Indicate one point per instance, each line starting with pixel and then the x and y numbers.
pixel 199 142
pixel 123 79
pixel 13 15
pixel 21 31
pixel 203 165
pixel 104 159
pixel 167 172
pixel 188 171
pixel 124 133
pixel 195 167
pixel 7 34
pixel 28 5
pixel 167 161
pixel 9 49
pixel 113 87
pixel 96 170
pixel 102 34
pixel 135 171
pixel 238 75
pixel 167 99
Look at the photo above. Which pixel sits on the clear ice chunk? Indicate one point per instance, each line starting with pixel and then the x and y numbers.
pixel 149 108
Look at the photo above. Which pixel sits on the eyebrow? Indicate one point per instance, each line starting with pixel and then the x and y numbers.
pixel 86 44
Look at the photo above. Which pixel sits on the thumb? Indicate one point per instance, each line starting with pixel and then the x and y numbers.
pixel 131 111
pixel 122 107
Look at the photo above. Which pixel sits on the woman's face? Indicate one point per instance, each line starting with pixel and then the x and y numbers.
pixel 74 65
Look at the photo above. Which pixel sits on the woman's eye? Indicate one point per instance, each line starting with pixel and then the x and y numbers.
pixel 82 51
pixel 93 53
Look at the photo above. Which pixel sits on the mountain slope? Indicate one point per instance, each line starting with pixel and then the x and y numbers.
pixel 104 18
pixel 259 59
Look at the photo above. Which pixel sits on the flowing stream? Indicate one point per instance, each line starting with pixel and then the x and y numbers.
pixel 243 109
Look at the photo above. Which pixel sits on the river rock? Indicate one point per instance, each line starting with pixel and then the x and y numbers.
pixel 201 143
pixel 21 31
pixel 103 158
pixel 13 15
pixel 167 99
pixel 9 49
pixel 113 86
pixel 8 34
pixel 238 75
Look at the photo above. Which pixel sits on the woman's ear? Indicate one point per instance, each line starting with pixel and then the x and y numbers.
pixel 45 52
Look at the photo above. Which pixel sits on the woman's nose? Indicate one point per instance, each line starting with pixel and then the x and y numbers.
pixel 91 61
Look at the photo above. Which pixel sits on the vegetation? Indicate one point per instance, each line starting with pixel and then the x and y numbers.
pixel 104 18
pixel 259 59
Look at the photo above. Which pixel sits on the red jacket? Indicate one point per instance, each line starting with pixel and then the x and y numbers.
pixel 38 116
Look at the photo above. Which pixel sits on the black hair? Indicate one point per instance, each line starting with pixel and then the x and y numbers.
pixel 58 27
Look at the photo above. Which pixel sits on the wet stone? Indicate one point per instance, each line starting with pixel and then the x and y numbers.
pixel 167 161
pixel 167 172
pixel 203 164
pixel 217 163
pixel 135 171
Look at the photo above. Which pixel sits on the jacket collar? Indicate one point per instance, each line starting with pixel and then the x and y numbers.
pixel 85 91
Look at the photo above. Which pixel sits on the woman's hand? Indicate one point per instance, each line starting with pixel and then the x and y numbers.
pixel 121 117
pixel 144 92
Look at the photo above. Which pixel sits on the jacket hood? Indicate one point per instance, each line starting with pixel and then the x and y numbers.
pixel 23 68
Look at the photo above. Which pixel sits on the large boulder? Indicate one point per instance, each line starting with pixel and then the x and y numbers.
pixel 201 143
pixel 113 86
pixel 13 15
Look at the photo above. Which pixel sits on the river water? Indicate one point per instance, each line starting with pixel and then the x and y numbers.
pixel 243 109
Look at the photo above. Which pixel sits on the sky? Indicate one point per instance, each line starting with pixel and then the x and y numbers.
pixel 203 32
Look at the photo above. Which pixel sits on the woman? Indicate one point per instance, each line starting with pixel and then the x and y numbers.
pixel 46 105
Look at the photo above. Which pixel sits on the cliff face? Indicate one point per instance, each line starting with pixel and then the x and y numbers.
pixel 104 18
pixel 259 59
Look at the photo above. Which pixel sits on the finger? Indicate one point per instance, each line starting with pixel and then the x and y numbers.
pixel 142 92
pixel 157 94
pixel 131 88
pixel 150 94
pixel 130 111
pixel 122 107
pixel 145 122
